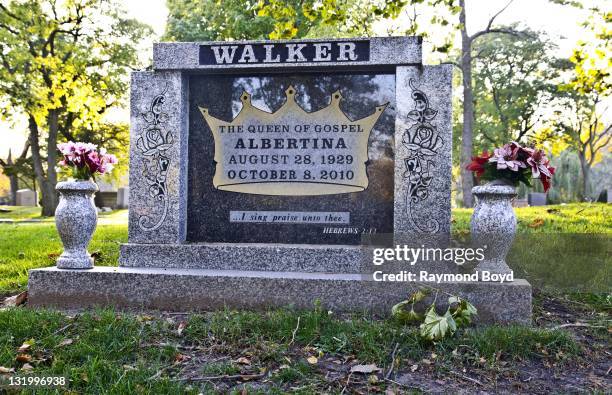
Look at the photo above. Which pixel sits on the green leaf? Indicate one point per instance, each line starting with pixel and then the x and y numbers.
pixel 461 310
pixel 399 313
pixel 437 327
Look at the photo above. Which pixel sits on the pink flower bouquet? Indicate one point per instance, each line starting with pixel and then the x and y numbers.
pixel 85 160
pixel 513 164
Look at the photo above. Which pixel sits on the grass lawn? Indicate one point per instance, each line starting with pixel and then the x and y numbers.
pixel 30 245
pixel 277 352
pixel 303 352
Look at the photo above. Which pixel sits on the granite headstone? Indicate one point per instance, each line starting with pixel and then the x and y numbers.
pixel 258 168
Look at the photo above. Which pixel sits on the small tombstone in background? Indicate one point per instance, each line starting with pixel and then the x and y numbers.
pixel 26 197
pixel 605 196
pixel 536 199
pixel 123 197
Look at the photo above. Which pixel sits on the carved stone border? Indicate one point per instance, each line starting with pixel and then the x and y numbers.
pixel 423 147
pixel 158 176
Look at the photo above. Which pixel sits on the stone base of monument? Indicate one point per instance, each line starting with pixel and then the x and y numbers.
pixel 204 290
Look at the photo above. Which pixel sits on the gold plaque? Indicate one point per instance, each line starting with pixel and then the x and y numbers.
pixel 291 152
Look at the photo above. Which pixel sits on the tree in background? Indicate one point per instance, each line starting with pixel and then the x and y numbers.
pixel 586 98
pixel 18 169
pixel 514 78
pixel 64 64
pixel 465 64
pixel 209 20
pixel 200 20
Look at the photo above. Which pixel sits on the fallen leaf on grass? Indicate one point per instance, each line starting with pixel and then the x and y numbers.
pixel 23 358
pixel 4 370
pixel 414 368
pixel 536 223
pixel 15 300
pixel 181 327
pixel 243 361
pixel 27 367
pixel 312 360
pixel 247 377
pixel 65 342
pixel 365 369
pixel 24 347
pixel 181 357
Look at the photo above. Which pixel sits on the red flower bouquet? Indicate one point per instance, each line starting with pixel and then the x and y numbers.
pixel 513 163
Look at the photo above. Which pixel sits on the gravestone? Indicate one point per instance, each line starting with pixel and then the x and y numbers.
pixel 26 197
pixel 123 197
pixel 536 199
pixel 605 196
pixel 258 171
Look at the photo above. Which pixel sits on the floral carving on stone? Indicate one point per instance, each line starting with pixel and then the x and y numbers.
pixel 423 143
pixel 153 143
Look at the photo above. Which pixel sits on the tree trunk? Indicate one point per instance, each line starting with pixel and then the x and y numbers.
pixel 14 183
pixel 586 176
pixel 51 179
pixel 14 186
pixel 48 194
pixel 467 180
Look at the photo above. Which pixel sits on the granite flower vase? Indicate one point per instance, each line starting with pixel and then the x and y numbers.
pixel 493 225
pixel 76 218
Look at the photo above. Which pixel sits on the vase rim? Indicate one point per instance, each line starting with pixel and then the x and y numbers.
pixel 77 185
pixel 494 189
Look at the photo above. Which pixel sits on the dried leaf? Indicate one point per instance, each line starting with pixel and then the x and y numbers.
pixel 243 361
pixel 312 360
pixel 371 368
pixel 414 368
pixel 15 300
pixel 536 223
pixel 23 358
pixel 145 317
pixel 4 370
pixel 181 327
pixel 24 348
pixel 65 342
pixel 372 379
pixel 27 367
pixel 247 377
pixel 181 357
